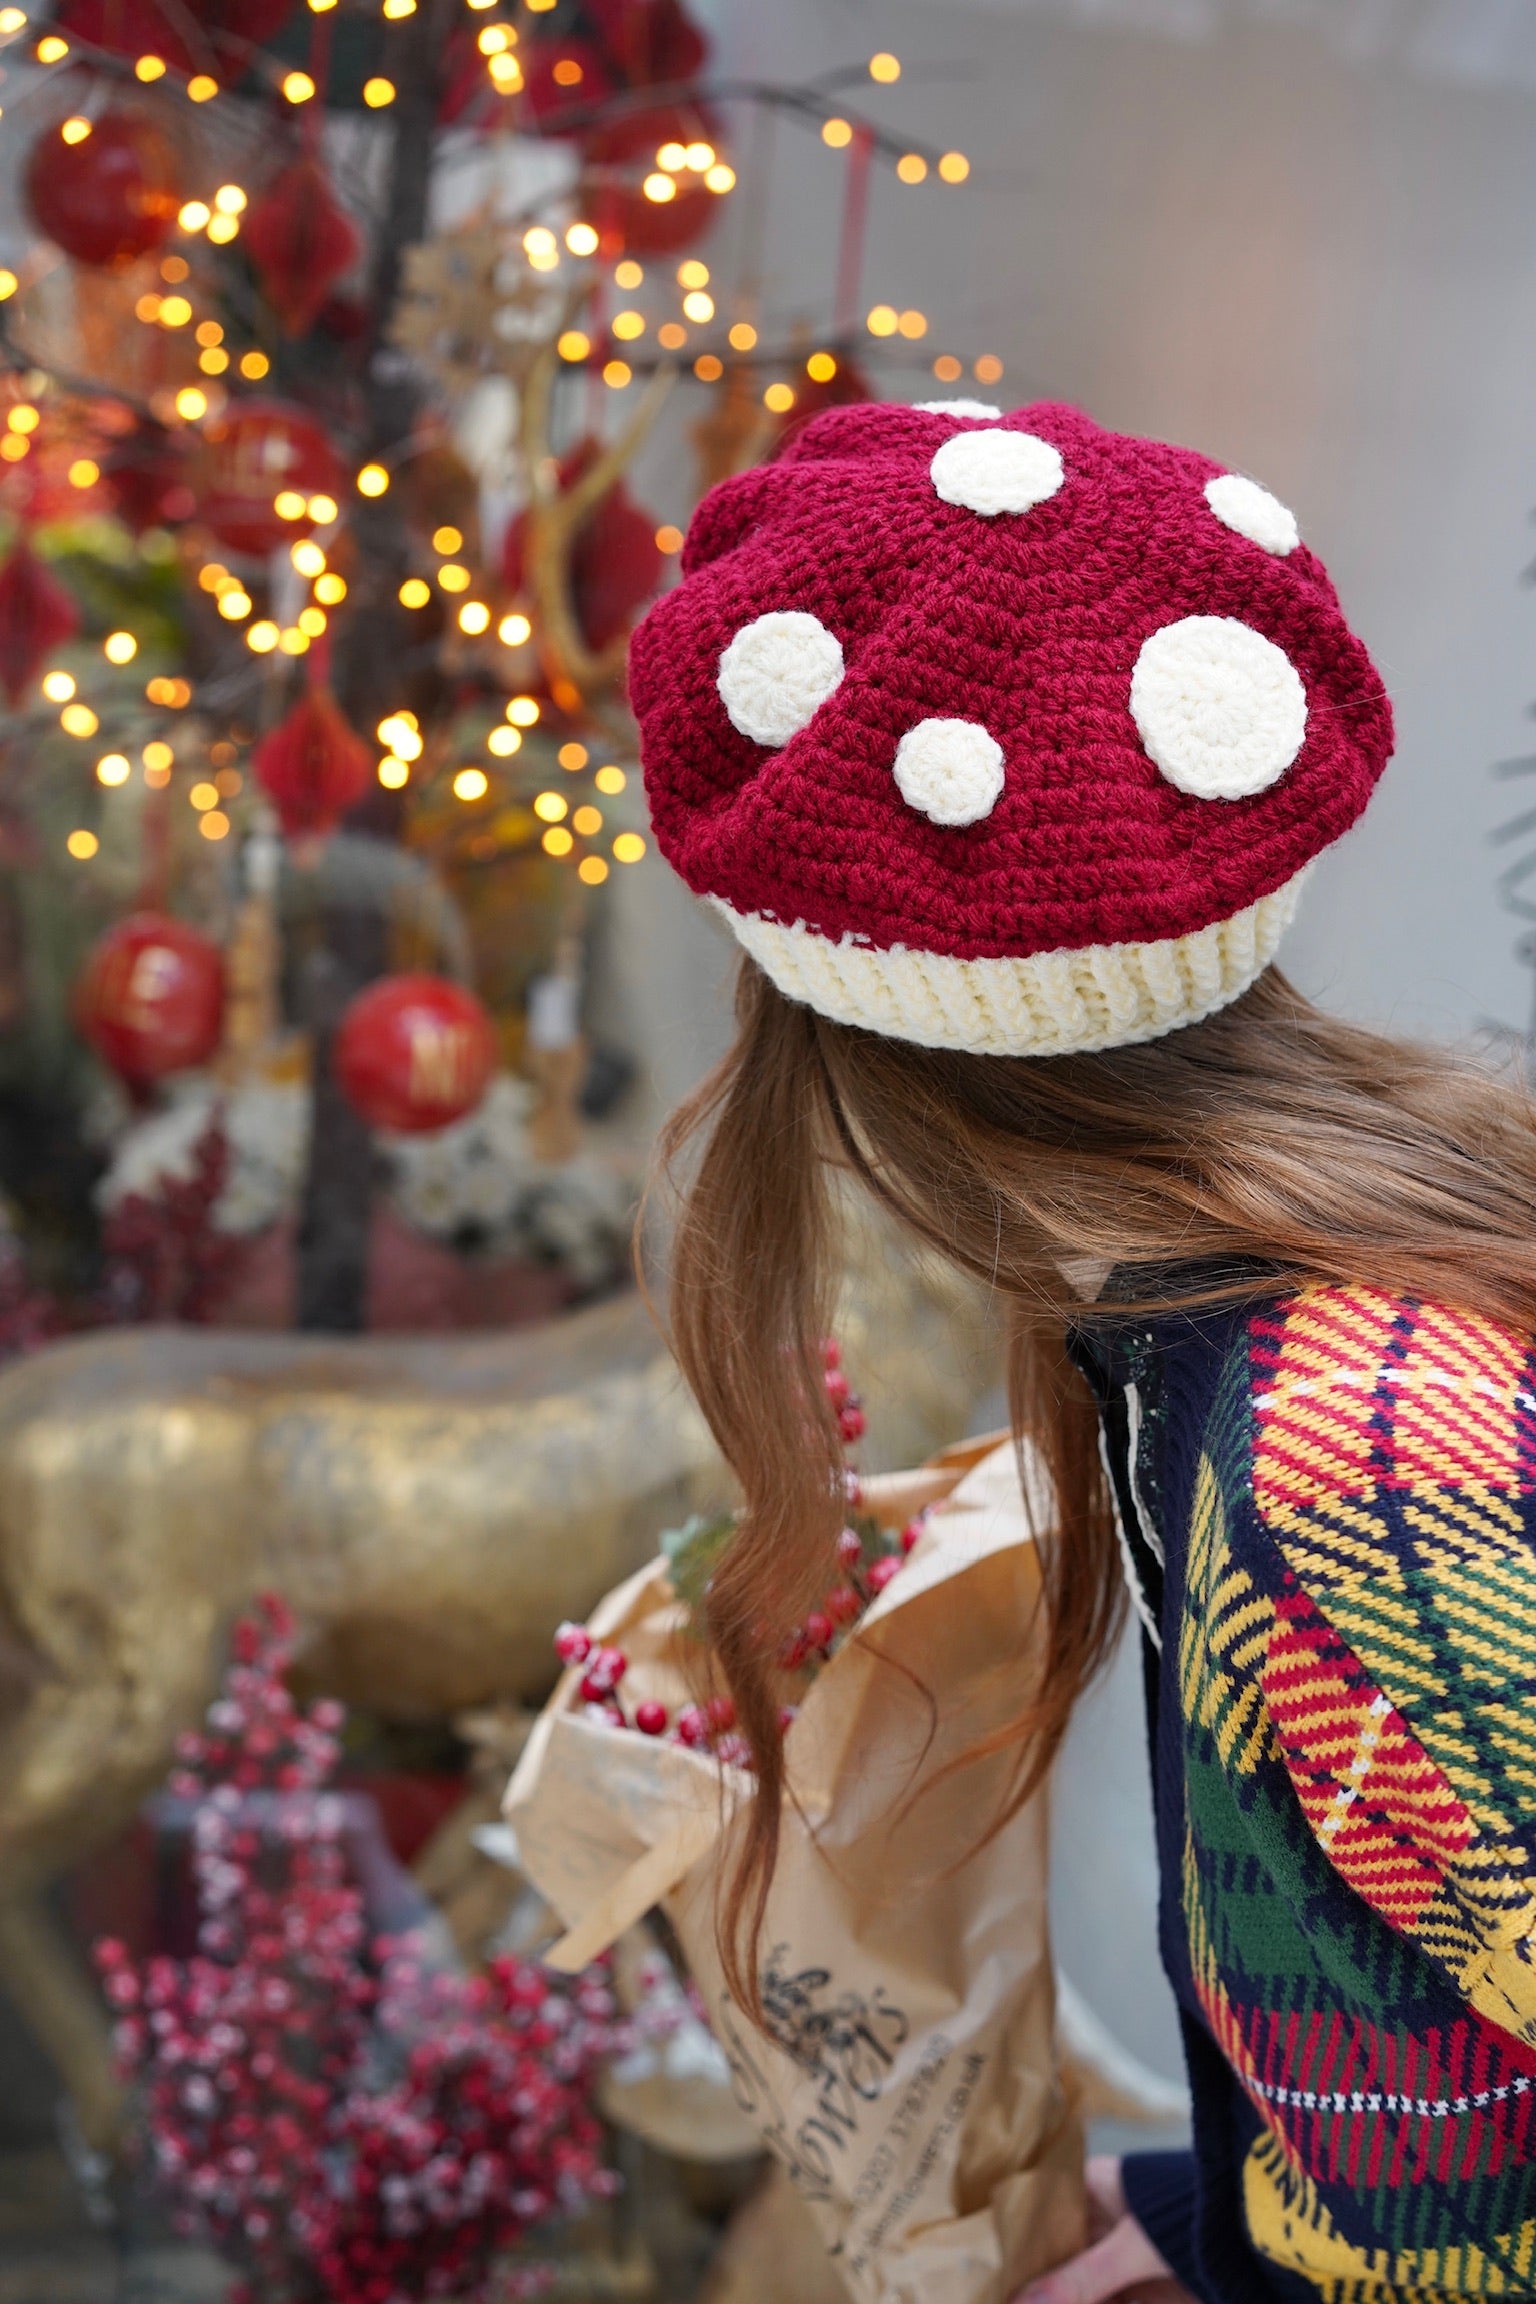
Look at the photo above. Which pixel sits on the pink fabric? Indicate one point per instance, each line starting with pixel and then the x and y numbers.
pixel 1027 623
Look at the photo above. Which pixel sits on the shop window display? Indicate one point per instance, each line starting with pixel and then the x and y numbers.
pixel 332 337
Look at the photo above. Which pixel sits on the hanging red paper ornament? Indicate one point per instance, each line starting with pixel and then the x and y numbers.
pixel 562 77
pixel 257 451
pixel 615 561
pixel 147 478
pixel 846 384
pixel 301 240
pixel 150 999
pixel 618 158
pixel 167 29
pixel 314 766
pixel 110 197
pixel 415 1053
pixel 37 616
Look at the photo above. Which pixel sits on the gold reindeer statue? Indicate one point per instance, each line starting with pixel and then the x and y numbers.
pixel 431 1508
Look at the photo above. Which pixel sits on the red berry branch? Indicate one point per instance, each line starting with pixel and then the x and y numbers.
pixel 866 1562
pixel 346 2123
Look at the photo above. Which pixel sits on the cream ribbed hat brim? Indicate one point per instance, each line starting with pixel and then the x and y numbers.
pixel 1052 1004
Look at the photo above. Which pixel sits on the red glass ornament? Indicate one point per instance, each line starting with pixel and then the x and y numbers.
pixel 415 1053
pixel 150 999
pixel 314 766
pixel 248 456
pixel 109 198
pixel 301 240
pixel 37 615
pixel 147 478
pixel 615 561
pixel 231 28
pixel 649 43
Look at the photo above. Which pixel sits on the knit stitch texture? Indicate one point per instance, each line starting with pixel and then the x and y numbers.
pixel 904 572
pixel 1328 1508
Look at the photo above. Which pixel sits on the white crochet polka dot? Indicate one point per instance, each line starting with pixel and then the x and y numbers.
pixel 776 673
pixel 1251 511
pixel 991 472
pixel 1219 708
pixel 983 408
pixel 949 770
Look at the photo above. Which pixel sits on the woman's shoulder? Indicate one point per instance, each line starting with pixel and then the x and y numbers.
pixel 1354 1392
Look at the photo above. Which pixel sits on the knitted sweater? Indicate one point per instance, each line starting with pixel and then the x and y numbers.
pixel 1328 1509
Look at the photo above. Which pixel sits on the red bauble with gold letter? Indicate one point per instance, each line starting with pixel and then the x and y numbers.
pixel 110 197
pixel 415 1053
pixel 258 450
pixel 150 999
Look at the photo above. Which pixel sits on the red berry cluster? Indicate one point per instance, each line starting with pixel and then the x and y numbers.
pixel 866 1562
pixel 345 2122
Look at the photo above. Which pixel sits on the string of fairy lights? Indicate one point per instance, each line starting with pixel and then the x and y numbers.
pixel 697 328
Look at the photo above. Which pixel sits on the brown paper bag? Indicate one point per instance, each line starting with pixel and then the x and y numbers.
pixel 909 2081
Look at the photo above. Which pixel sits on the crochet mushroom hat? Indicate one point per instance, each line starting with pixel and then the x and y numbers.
pixel 1004 733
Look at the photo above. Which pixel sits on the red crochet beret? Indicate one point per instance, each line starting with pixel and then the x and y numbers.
pixel 1002 732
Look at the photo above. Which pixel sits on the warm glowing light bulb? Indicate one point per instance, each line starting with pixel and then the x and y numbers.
pixel 313 621
pixel 235 605
pixel 550 807
pixel 504 742
pixel 587 821
pixel 573 345
pixel 82 846
pixel 954 167
pixel 628 848
pixel 947 368
pixel 149 68
pixel 330 589
pixel 699 305
pixel 581 239
pixel 693 274
pixel 84 472
pixel 373 480
pixel 592 871
pixel 378 92
pixel 523 711
pixel 616 374
pixel 913 325
pixel 23 417
pixel 699 157
pixel 514 630
pixel 298 87
pixel 988 369
pixel 191 403
pixel 911 168
pixel 254 365
pixel 112 768
pixel 202 88
pixel 708 368
pixel 8 283
pixel 414 593
pixel 474 618
pixel 837 133
pixel 778 397
pixel 308 558
pixel 471 784
pixel 393 773
pixel 659 188
pixel 821 367
pixel 76 129
pixel 882 320
pixel 743 336
pixel 541 248
pixel 78 720
pixel 885 67
pixel 58 687
pixel 447 539
pixel 628 325
pixel 720 178
pixel 610 779
pixel 668 538
pixel 120 647
pixel 262 637
pixel 628 274
pixel 288 504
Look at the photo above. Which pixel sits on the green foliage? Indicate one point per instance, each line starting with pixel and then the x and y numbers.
pixel 691 1552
